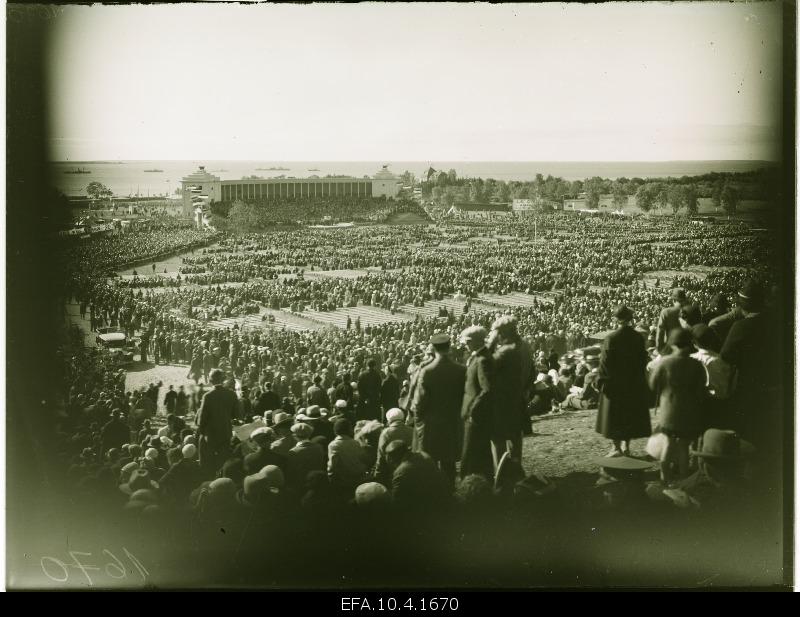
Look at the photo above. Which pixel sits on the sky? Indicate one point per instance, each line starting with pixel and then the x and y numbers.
pixel 454 82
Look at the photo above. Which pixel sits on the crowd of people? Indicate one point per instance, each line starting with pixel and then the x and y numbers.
pixel 426 413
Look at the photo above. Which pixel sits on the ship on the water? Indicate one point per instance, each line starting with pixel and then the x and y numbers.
pixel 154 171
pixel 313 170
pixel 77 171
pixel 272 169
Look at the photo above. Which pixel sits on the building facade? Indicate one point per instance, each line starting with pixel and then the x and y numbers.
pixel 201 188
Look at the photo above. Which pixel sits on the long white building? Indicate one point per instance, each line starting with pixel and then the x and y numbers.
pixel 201 188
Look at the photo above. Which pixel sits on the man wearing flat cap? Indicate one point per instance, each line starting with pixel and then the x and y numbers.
pixel 214 429
pixel 476 407
pixel 624 407
pixel 437 408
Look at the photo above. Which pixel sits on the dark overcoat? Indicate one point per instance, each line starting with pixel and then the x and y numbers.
pixel 624 407
pixel 476 412
pixel 437 409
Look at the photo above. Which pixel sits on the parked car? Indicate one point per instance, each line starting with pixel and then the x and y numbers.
pixel 117 345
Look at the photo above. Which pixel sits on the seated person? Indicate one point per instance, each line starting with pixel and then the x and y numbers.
pixel 583 398
pixel 544 394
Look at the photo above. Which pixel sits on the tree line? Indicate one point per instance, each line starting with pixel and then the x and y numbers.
pixel 725 189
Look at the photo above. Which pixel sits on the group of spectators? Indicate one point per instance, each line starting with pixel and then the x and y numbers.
pixel 426 412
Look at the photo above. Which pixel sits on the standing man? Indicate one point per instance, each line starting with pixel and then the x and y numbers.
pixel 369 390
pixel 624 410
pixel 512 375
pixel 476 407
pixel 753 349
pixel 437 408
pixel 214 428
pixel 669 318
pixel 390 389
pixel 170 399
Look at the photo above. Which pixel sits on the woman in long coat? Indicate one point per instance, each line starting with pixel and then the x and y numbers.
pixel 624 408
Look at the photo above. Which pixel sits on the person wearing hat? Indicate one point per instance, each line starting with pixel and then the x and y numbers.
pixel 512 378
pixel 719 479
pixel 264 455
pixel 396 430
pixel 214 424
pixel 182 476
pixel 306 456
pixel 316 395
pixel 263 490
pixel 318 420
pixel 282 425
pixel 115 432
pixel 623 411
pixel 437 408
pixel 476 405
pixel 753 349
pixel 622 481
pixel 679 382
pixel 669 318
pixel 346 459
pixel 268 400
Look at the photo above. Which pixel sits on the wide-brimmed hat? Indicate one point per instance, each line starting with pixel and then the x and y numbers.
pixel 269 480
pixel 281 419
pixel 621 468
pixel 724 445
pixel 623 313
pixel 140 479
pixel 440 339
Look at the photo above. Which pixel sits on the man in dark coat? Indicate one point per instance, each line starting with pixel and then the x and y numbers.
pixel 476 407
pixel 316 395
pixel 668 319
pixel 116 432
pixel 170 399
pixel 268 401
pixel 623 412
pixel 369 392
pixel 214 428
pixel 390 390
pixel 752 348
pixel 437 408
pixel 512 375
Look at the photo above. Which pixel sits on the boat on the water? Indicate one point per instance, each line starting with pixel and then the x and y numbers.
pixel 272 169
pixel 313 170
pixel 77 171
pixel 154 171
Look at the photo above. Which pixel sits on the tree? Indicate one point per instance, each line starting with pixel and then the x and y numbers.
pixel 503 192
pixel 645 196
pixel 593 187
pixel 716 193
pixel 675 197
pixel 730 199
pixel 452 178
pixel 690 198
pixel 98 192
pixel 620 195
pixel 441 180
pixel 661 195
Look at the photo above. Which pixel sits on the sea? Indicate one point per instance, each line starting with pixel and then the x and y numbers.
pixel 132 178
